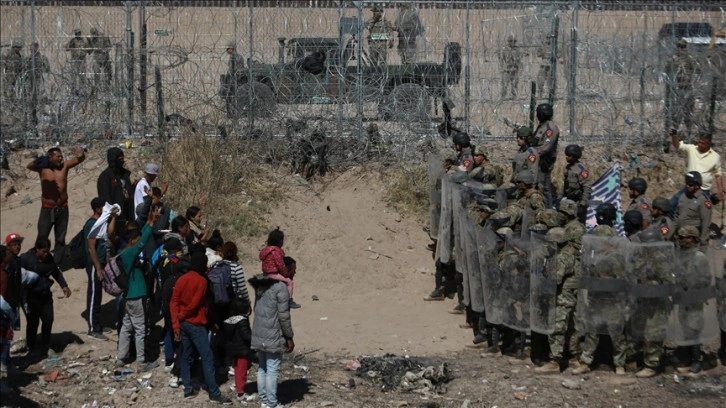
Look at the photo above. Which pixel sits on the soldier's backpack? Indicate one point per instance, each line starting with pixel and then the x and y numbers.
pixel 115 277
pixel 220 283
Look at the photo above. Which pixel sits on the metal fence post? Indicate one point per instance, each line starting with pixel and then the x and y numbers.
pixel 467 70
pixel 572 88
pixel 130 71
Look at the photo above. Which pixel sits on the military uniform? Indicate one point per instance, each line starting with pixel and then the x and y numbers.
pixel 546 137
pixel 665 226
pixel 99 46
pixel 575 230
pixel 37 65
pixel 13 65
pixel 409 27
pixel 484 173
pixel 510 59
pixel 696 276
pixel 695 211
pixel 465 159
pixel 236 65
pixel 380 38
pixel 578 184
pixel 527 158
pixel 681 69
pixel 545 66
pixel 567 276
pixel 77 48
pixel 641 204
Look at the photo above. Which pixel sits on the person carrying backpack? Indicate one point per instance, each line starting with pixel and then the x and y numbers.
pixel 238 338
pixel 273 264
pixel 134 320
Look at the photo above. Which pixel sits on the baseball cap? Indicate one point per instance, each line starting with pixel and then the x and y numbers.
pixel 151 168
pixel 13 236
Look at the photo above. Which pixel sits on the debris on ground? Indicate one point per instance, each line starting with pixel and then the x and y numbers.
pixel 406 374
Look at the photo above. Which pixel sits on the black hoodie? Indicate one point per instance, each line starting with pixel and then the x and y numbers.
pixel 114 184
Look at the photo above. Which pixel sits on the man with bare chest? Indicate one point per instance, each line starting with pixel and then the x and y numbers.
pixel 53 172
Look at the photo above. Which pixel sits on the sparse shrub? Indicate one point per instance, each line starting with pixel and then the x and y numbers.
pixel 407 189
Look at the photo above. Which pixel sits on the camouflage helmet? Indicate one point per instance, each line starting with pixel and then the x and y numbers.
pixel 633 217
pixel 16 44
pixel 688 231
pixel 77 31
pixel 682 43
pixel 638 184
pixel 573 150
pixel 694 177
pixel 544 111
pixel 568 207
pixel 549 217
pixel 524 132
pixel 480 151
pixel 94 31
pixel 377 8
pixel 526 177
pixel 538 228
pixel 448 154
pixel 511 39
pixel 662 204
pixel 486 204
pixel 232 45
pixel 461 138
pixel 504 232
pixel 558 235
pixel 515 212
pixel 603 231
pixel 501 218
pixel 651 235
pixel 575 230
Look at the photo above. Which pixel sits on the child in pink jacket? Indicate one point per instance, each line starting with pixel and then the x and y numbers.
pixel 273 264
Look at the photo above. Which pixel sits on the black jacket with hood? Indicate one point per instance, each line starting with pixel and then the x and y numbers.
pixel 114 184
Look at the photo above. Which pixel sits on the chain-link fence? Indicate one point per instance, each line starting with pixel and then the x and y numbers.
pixel 153 67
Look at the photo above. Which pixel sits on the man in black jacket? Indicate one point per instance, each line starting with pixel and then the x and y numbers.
pixel 114 184
pixel 39 296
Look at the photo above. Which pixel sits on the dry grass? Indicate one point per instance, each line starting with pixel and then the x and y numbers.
pixel 406 190
pixel 224 179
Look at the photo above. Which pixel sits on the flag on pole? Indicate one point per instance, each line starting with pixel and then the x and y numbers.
pixel 606 190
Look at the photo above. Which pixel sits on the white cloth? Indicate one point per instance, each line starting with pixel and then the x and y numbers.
pixel 100 227
pixel 140 191
pixel 212 257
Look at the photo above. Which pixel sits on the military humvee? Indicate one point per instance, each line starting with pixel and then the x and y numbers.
pixel 322 70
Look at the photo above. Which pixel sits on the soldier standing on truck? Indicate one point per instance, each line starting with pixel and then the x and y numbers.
pixel 380 37
pixel 681 70
pixel 409 27
pixel 510 59
pixel 99 46
pixel 77 47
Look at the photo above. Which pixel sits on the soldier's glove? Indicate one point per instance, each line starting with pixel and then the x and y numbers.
pixel 41 162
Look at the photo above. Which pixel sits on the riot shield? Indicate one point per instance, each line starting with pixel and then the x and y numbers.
pixel 444 244
pixel 718 264
pixel 501 196
pixel 694 318
pixel 528 219
pixel 490 274
pixel 471 257
pixel 542 285
pixel 515 284
pixel 649 268
pixel 602 300
pixel 458 213
pixel 435 172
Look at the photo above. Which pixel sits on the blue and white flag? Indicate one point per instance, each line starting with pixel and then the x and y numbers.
pixel 606 190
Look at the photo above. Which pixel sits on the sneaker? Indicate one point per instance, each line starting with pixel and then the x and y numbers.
pixel 619 370
pixel 97 336
pixel 144 367
pixel 221 399
pixel 465 326
pixel 294 305
pixel 191 394
pixel 174 382
pixel 582 369
pixel 246 397
pixel 552 367
pixel 646 372
pixel 435 295
pixel 230 372
pixel 168 367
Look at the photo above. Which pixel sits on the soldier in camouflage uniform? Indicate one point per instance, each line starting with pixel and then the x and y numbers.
pixel 681 71
pixel 566 275
pixel 99 46
pixel 662 222
pixel 527 157
pixel 694 208
pixel 409 27
pixel 611 304
pixel 483 171
pixel 544 53
pixel 36 65
pixel 578 184
pixel 649 315
pixel 510 60
pixel 530 200
pixel 637 187
pixel 77 49
pixel 546 137
pixel 12 64
pixel 380 36
pixel 575 229
pixel 697 276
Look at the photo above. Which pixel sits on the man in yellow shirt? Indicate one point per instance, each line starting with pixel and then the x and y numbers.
pixel 703 159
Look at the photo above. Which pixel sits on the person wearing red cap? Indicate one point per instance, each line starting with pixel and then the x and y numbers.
pixel 53 171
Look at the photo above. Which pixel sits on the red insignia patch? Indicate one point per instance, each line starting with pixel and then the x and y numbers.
pixel 644 206
pixel 549 132
pixel 531 158
pixel 466 163
pixel 584 174
pixel 707 204
pixel 664 230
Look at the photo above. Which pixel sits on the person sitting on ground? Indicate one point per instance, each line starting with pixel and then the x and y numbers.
pixel 273 264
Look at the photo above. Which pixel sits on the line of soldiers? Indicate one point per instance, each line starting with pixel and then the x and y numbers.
pixel 380 34
pixel 519 265
pixel 98 45
pixel 23 75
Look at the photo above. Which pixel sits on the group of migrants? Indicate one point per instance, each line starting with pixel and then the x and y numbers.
pixel 522 263
pixel 159 266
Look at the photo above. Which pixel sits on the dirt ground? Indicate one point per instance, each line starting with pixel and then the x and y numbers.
pixel 369 268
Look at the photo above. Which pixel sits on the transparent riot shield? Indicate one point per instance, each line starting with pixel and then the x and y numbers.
pixel 602 301
pixel 490 273
pixel 649 268
pixel 528 219
pixel 515 284
pixel 501 195
pixel 718 264
pixel 694 318
pixel 542 285
pixel 458 213
pixel 435 172
pixel 472 276
pixel 444 242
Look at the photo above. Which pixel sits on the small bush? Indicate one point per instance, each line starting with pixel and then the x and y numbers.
pixel 407 190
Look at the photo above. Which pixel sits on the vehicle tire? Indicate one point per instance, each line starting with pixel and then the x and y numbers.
pixel 406 102
pixel 256 97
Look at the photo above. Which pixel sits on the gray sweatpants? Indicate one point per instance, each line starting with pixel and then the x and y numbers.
pixel 133 321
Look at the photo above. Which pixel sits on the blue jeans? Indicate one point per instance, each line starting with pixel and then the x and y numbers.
pixel 194 336
pixel 267 377
pixel 168 341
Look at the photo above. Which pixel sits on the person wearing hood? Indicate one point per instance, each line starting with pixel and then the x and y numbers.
pixel 114 184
